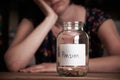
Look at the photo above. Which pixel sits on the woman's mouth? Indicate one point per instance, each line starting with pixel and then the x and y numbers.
pixel 55 5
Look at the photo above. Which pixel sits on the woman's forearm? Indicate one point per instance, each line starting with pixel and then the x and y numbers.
pixel 105 64
pixel 19 55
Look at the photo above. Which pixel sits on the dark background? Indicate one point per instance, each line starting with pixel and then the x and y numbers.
pixel 111 6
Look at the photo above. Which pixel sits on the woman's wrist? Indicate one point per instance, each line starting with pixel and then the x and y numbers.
pixel 52 18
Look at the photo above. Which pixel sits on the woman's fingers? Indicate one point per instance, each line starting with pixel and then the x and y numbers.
pixel 45 67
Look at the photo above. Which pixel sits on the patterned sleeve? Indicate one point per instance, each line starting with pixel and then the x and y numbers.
pixel 97 17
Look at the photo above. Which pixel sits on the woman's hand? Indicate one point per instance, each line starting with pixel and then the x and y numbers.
pixel 44 67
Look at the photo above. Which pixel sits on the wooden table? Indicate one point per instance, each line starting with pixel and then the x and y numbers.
pixel 55 76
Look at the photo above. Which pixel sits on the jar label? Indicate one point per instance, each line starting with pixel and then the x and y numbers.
pixel 72 54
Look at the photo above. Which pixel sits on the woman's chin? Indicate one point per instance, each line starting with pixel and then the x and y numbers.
pixel 58 11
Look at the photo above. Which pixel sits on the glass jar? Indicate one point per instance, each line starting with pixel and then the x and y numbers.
pixel 72 50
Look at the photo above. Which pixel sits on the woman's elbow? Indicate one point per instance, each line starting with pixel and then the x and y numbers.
pixel 12 66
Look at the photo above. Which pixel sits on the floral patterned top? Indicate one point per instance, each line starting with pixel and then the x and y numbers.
pixel 94 18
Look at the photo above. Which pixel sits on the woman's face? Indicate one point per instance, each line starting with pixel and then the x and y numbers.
pixel 58 6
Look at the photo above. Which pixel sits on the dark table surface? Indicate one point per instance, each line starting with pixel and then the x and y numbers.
pixel 55 76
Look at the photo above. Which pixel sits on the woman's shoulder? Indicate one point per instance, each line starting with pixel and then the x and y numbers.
pixel 97 13
pixel 95 17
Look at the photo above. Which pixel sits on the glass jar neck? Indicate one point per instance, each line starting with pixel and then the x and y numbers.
pixel 76 25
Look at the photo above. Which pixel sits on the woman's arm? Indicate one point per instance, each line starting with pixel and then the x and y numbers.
pixel 44 67
pixel 28 40
pixel 109 63
pixel 105 64
pixel 111 41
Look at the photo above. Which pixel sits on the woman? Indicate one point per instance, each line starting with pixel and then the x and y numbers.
pixel 39 40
